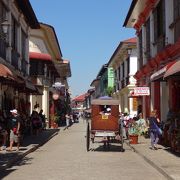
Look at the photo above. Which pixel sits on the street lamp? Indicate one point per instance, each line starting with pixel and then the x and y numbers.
pixel 5 27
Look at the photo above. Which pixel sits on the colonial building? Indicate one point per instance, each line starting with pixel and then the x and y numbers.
pixel 158 31
pixel 124 63
pixel 16 19
pixel 47 68
pixel 104 82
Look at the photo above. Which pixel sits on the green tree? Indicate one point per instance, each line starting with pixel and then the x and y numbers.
pixel 109 91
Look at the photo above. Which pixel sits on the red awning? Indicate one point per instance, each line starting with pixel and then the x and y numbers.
pixel 40 56
pixel 174 69
pixel 160 73
pixel 6 72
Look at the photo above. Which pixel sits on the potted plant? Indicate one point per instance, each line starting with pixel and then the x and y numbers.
pixel 133 132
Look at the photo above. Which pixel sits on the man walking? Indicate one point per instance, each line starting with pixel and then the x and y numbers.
pixel 15 124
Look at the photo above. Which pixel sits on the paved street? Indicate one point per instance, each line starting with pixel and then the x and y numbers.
pixel 65 158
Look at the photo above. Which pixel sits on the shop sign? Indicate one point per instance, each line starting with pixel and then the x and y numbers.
pixel 141 91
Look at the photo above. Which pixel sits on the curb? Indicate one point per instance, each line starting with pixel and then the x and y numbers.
pixel 21 156
pixel 159 169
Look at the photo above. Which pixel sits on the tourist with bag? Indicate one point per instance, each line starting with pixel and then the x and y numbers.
pixel 154 129
pixel 15 123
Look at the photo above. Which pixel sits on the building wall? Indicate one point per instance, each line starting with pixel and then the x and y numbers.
pixel 159 90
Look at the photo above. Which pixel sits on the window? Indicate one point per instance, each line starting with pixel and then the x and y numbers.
pixel 14 34
pixel 123 70
pixel 140 50
pixel 2 36
pixel 3 13
pixel 148 43
pixel 36 68
pixel 116 83
pixel 176 9
pixel 23 44
pixel 128 66
pixel 159 25
pixel 176 19
pixel 119 70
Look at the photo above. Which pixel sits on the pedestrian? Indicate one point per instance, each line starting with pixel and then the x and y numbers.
pixel 153 128
pixel 67 121
pixel 36 122
pixel 43 119
pixel 141 124
pixel 15 124
pixel 3 132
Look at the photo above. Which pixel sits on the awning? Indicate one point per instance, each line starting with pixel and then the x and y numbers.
pixel 29 85
pixel 5 72
pixel 173 70
pixel 39 90
pixel 40 56
pixel 158 75
pixel 63 68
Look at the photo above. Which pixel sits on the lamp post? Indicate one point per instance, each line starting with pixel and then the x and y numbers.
pixel 5 28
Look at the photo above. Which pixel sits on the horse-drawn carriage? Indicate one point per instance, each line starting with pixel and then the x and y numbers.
pixel 104 122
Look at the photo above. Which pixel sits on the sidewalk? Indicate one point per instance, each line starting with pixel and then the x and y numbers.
pixel 29 144
pixel 162 159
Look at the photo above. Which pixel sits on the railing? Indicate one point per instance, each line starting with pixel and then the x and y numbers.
pixel 2 49
pixel 14 58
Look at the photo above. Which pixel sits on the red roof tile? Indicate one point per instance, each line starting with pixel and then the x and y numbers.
pixel 131 40
pixel 80 98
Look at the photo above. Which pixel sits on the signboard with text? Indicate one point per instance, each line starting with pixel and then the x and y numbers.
pixel 141 91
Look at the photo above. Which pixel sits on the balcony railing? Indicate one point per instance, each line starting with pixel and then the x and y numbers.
pixel 2 49
pixel 14 58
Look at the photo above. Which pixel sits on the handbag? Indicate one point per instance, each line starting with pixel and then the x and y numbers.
pixel 159 130
pixel 15 130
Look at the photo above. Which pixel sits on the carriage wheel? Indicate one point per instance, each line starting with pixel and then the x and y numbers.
pixel 87 137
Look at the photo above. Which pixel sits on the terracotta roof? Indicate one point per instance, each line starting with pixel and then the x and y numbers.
pixel 80 98
pixel 6 72
pixel 131 40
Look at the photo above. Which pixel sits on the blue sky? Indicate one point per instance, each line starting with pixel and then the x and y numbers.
pixel 88 32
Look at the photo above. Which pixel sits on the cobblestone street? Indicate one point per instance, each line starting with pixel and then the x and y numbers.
pixel 65 158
